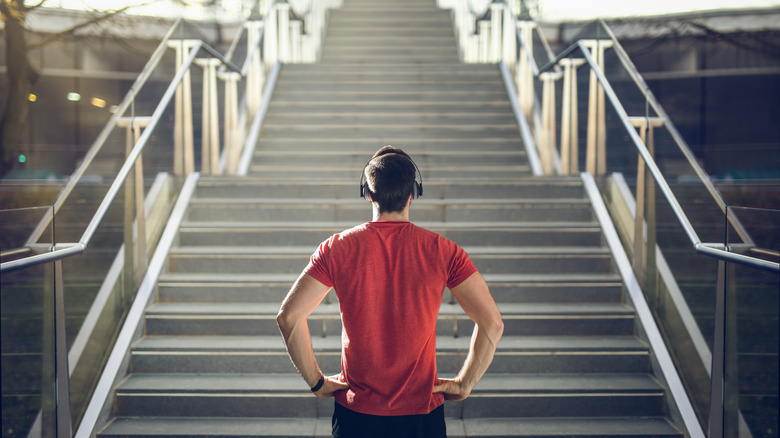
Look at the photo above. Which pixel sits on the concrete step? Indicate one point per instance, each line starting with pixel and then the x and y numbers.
pixel 292 117
pixel 355 73
pixel 489 260
pixel 397 87
pixel 393 109
pixel 533 288
pixel 645 427
pixel 525 188
pixel 465 234
pixel 478 210
pixel 424 159
pixel 527 354
pixel 407 95
pixel 283 395
pixel 453 144
pixel 532 319
pixel 294 173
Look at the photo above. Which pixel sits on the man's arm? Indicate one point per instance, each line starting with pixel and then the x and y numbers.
pixel 475 299
pixel 304 296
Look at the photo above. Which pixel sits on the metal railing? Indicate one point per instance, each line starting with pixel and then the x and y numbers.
pixel 635 136
pixel 270 39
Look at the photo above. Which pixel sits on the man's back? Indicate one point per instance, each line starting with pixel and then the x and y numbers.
pixel 389 278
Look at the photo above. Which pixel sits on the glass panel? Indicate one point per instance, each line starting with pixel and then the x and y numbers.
pixel 26 309
pixel 752 335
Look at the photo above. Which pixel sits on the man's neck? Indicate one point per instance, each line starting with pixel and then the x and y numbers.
pixel 396 216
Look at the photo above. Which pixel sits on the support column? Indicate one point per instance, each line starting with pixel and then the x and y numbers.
pixel 569 117
pixel 232 152
pixel 210 117
pixel 525 79
pixel 596 162
pixel 254 78
pixel 644 216
pixel 510 39
pixel 547 146
pixel 495 31
pixel 283 14
pixel 183 157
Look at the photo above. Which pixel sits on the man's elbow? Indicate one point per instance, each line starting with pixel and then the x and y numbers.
pixel 284 321
pixel 498 328
pixel 494 328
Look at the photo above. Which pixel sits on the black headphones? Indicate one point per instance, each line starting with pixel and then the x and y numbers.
pixel 417 187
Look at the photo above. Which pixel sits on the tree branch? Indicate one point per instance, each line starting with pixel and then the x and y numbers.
pixel 73 29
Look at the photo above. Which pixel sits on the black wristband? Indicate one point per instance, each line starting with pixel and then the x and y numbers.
pixel 319 384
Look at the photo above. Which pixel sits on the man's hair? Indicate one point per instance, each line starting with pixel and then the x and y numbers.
pixel 390 176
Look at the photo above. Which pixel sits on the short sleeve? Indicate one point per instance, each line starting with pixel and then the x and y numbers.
pixel 318 266
pixel 460 267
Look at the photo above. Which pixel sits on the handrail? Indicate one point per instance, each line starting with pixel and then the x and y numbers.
pixel 138 148
pixel 681 143
pixel 517 53
pixel 661 181
pixel 97 145
pixel 128 103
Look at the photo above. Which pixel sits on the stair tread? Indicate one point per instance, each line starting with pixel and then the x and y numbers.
pixel 294 426
pixel 511 202
pixel 542 344
pixel 196 277
pixel 342 225
pixel 529 384
pixel 472 250
pixel 509 310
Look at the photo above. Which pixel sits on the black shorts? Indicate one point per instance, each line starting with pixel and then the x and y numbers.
pixel 350 424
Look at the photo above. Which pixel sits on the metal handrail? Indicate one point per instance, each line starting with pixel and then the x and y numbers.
pixel 62 251
pixel 698 245
pixel 97 145
pixel 79 247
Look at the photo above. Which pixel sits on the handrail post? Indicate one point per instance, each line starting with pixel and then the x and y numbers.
pixel 183 157
pixel 509 37
pixel 525 75
pixel 717 381
pixel 295 41
pixel 254 77
pixel 495 31
pixel 270 39
pixel 283 14
pixel 644 217
pixel 596 161
pixel 210 117
pixel 64 421
pixel 134 242
pixel 569 117
pixel 231 122
pixel 484 42
pixel 547 146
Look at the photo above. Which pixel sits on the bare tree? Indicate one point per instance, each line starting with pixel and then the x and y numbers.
pixel 21 76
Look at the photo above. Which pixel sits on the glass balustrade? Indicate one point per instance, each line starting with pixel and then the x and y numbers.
pixel 27 328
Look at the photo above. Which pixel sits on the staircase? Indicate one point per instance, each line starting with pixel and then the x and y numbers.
pixel 211 361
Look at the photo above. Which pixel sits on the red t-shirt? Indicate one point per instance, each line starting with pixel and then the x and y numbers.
pixel 389 278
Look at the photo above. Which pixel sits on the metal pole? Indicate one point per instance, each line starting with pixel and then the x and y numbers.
pixel 64 422
pixel 715 429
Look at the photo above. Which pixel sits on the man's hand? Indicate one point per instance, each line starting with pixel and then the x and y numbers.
pixel 331 386
pixel 452 389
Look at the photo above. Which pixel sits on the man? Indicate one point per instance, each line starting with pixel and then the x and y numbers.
pixel 389 276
